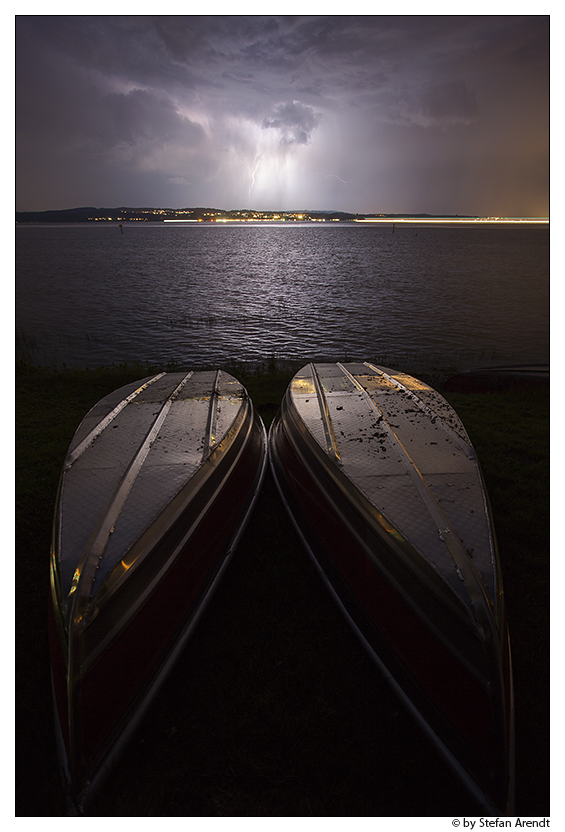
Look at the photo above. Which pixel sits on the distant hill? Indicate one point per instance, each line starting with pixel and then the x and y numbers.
pixel 68 215
pixel 124 214
pixel 91 214
pixel 87 214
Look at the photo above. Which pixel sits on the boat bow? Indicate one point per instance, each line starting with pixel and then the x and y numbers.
pixel 159 481
pixel 382 482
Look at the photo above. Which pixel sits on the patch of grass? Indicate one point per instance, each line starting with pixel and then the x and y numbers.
pixel 274 709
pixel 510 433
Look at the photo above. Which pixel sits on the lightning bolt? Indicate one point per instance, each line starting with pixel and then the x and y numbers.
pixel 253 175
pixel 332 176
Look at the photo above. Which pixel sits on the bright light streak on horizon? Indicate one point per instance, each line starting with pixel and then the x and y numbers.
pixel 454 220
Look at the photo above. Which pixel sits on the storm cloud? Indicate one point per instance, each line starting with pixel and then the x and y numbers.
pixel 379 113
pixel 294 121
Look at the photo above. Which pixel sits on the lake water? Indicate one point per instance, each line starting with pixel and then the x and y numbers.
pixel 426 297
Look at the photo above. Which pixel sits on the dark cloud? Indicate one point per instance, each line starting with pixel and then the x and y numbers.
pixel 440 104
pixel 393 113
pixel 140 118
pixel 294 121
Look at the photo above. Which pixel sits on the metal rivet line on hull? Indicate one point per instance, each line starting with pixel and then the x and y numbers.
pixel 466 570
pixel 210 439
pixel 331 439
pixel 116 505
pixel 95 432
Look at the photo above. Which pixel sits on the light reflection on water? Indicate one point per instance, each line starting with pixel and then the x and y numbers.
pixel 435 296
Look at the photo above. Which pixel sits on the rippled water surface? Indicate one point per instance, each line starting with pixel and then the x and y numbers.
pixel 431 296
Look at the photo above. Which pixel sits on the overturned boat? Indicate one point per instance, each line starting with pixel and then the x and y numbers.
pixel 382 483
pixel 158 483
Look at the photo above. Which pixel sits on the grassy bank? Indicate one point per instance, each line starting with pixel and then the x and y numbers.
pixel 274 709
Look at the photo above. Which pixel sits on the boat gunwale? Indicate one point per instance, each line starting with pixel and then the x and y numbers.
pixel 488 612
pixel 244 443
pixel 204 477
pixel 402 570
pixel 481 605
pixel 409 690
pixel 80 593
pixel 492 622
pixel 314 548
pixel 416 564
pixel 87 556
pixel 130 720
pixel 500 685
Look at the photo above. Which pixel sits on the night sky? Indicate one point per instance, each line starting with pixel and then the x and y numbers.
pixel 433 114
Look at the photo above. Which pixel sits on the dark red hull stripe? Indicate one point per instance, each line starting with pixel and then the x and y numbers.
pixel 114 686
pixel 58 673
pixel 459 697
pixel 115 680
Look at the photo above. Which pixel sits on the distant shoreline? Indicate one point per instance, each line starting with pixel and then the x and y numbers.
pixel 213 215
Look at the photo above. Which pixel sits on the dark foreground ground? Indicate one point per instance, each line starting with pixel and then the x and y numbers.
pixel 274 709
